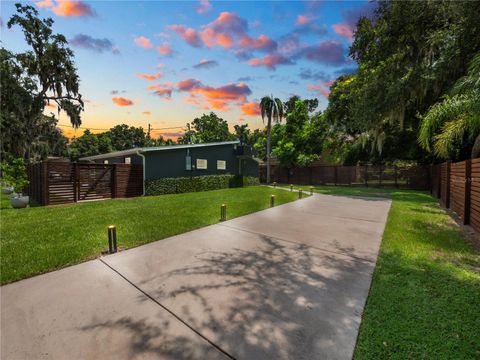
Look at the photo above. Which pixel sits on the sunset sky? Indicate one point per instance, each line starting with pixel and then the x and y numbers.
pixel 165 63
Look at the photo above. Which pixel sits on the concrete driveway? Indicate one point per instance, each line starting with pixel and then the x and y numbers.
pixel 285 283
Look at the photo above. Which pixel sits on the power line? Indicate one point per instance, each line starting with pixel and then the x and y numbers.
pixel 98 129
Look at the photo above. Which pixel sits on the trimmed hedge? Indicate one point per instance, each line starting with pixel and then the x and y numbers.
pixel 197 183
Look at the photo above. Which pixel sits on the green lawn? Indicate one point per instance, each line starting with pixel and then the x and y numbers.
pixel 424 302
pixel 40 239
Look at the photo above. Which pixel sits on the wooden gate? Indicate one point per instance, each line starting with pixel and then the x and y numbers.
pixel 54 183
pixel 94 181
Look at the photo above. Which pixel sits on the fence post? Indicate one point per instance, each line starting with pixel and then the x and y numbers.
pixel 468 193
pixel 396 175
pixel 366 175
pixel 311 175
pixel 335 168
pixel 45 183
pixel 438 174
pixel 447 184
pixel 75 187
pixel 113 181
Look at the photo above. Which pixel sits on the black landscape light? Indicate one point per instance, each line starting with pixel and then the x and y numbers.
pixel 112 239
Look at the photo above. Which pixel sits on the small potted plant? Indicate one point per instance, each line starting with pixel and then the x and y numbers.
pixel 15 175
pixel 6 188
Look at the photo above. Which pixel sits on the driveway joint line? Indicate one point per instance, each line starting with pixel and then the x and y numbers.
pixel 169 311
pixel 341 217
pixel 355 258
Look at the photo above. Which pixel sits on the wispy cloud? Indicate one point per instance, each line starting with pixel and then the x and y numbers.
pixel 164 49
pixel 322 89
pixel 164 91
pixel 150 77
pixel 121 101
pixel 250 109
pixel 98 45
pixel 143 42
pixel 204 7
pixel 190 36
pixel 270 61
pixel 326 52
pixel 309 74
pixel 206 64
pixel 219 98
pixel 67 7
pixel 344 30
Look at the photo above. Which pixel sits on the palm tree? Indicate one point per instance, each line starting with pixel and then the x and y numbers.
pixel 457 117
pixel 270 108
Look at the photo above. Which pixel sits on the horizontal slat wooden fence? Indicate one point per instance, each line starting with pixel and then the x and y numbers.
pixel 416 177
pixel 458 188
pixel 52 183
pixel 456 185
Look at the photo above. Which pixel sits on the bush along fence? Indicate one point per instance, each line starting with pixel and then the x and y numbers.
pixel 413 177
pixel 197 183
pixel 457 186
pixel 52 183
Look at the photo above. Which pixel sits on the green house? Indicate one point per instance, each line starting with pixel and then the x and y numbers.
pixel 185 160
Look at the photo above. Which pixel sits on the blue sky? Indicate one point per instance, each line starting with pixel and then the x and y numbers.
pixel 165 63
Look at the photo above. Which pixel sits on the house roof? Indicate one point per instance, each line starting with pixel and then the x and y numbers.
pixel 155 148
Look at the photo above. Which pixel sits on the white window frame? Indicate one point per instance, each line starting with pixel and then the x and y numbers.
pixel 105 162
pixel 221 165
pixel 202 164
pixel 129 161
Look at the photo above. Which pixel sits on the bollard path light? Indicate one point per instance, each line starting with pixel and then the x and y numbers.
pixel 272 200
pixel 274 184
pixel 291 187
pixel 311 190
pixel 112 239
pixel 300 193
pixel 223 212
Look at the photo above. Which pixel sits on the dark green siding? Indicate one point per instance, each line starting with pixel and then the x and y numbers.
pixel 249 167
pixel 134 159
pixel 171 163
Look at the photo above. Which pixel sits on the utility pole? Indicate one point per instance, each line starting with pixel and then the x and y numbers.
pixel 148 132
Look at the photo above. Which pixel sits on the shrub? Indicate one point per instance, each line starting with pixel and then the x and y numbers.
pixel 197 183
pixel 187 184
pixel 15 174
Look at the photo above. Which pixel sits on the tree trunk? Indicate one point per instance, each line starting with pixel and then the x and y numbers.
pixel 269 126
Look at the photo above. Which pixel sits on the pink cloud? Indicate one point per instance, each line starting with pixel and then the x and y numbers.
pixel 212 38
pixel 263 42
pixel 164 91
pixel 327 52
pixel 218 98
pixel 344 30
pixel 150 77
pixel 164 49
pixel 270 61
pixel 322 89
pixel 67 7
pixel 304 19
pixel 250 109
pixel 204 7
pixel 188 34
pixel 221 32
pixel 120 101
pixel 143 42
pixel 229 23
pixel 205 64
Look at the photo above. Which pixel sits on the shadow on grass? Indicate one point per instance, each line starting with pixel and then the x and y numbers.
pixel 277 301
pixel 421 309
